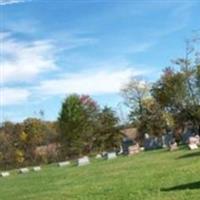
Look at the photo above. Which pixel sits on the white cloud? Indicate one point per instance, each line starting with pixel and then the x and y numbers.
pixel 67 40
pixel 13 96
pixel 6 2
pixel 88 82
pixel 22 61
pixel 138 48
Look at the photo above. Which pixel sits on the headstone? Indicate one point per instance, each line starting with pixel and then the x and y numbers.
pixel 83 161
pixel 141 148
pixel 5 174
pixel 135 149
pixel 62 164
pixel 98 156
pixel 146 136
pixel 36 169
pixel 192 146
pixel 111 155
pixel 23 170
pixel 173 146
pixel 193 142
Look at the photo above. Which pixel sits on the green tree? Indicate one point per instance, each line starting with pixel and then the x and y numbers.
pixel 178 92
pixel 76 122
pixel 108 136
pixel 153 119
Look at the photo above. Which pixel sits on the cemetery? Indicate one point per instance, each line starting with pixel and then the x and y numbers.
pixel 123 176
pixel 100 100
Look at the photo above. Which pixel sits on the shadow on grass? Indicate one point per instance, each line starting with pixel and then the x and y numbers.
pixel 190 155
pixel 188 186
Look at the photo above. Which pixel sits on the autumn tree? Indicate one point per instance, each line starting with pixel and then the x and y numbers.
pixel 134 93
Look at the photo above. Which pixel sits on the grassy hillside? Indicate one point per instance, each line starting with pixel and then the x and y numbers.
pixel 148 176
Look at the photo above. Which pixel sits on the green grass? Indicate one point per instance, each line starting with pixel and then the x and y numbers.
pixel 149 175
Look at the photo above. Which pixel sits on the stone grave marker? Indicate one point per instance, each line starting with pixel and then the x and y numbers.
pixel 192 146
pixel 135 149
pixel 111 155
pixel 5 174
pixel 37 168
pixel 142 149
pixel 98 156
pixel 83 161
pixel 23 170
pixel 173 147
pixel 193 142
pixel 64 163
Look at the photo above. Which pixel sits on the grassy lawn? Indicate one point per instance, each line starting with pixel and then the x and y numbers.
pixel 150 175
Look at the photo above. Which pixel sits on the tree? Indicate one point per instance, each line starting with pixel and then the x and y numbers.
pixel 134 93
pixel 34 133
pixel 76 122
pixel 178 92
pixel 108 136
pixel 153 120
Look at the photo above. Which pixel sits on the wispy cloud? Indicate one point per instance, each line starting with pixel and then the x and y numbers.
pixel 67 40
pixel 22 61
pixel 88 82
pixel 7 2
pixel 13 96
pixel 135 48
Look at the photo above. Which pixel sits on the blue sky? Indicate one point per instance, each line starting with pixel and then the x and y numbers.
pixel 51 48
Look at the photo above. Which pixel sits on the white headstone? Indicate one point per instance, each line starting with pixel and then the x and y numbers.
pixel 173 146
pixel 83 161
pixel 134 149
pixel 194 140
pixel 193 146
pixel 98 156
pixel 23 170
pixel 146 136
pixel 36 169
pixel 62 164
pixel 141 148
pixel 111 155
pixel 5 174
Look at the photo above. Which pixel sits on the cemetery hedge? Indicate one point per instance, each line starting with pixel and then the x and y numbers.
pixel 151 175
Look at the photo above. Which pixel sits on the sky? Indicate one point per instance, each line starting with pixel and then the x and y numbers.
pixel 52 48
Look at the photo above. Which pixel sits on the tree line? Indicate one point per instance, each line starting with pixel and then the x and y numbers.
pixel 82 128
